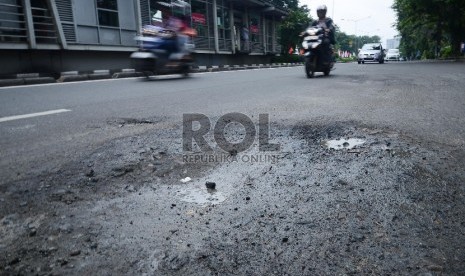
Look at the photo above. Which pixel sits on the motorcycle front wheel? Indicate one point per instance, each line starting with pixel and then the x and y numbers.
pixel 310 67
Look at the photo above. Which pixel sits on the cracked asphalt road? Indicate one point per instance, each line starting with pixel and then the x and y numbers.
pixel 97 190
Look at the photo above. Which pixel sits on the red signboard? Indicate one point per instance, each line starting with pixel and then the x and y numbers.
pixel 198 18
pixel 254 29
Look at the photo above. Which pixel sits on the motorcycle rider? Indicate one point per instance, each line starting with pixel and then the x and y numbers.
pixel 327 24
pixel 182 32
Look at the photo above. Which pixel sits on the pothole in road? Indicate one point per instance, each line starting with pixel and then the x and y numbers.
pixel 339 144
pixel 131 121
pixel 196 192
pixel 356 201
pixel 202 196
pixel 229 178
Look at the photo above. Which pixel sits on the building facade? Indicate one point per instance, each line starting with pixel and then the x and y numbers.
pixel 393 43
pixel 63 35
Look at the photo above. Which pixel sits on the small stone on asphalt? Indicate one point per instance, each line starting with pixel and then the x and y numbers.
pixel 75 253
pixel 90 173
pixel 210 185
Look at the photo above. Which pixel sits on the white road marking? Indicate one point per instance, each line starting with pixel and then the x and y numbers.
pixel 25 116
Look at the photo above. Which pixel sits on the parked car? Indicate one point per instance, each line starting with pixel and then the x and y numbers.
pixel 393 54
pixel 373 52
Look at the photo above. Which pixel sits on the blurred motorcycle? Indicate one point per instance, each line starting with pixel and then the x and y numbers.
pixel 314 46
pixel 163 51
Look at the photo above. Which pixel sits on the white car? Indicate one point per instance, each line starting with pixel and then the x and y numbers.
pixel 371 52
pixel 393 54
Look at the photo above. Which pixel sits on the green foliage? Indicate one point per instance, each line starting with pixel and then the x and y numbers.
pixel 346 42
pixel 287 59
pixel 427 25
pixel 352 43
pixel 346 60
pixel 297 20
pixel 286 4
pixel 446 52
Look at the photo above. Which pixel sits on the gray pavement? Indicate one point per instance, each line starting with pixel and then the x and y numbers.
pixel 86 171
pixel 424 100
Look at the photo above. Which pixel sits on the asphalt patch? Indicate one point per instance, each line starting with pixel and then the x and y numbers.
pixel 392 205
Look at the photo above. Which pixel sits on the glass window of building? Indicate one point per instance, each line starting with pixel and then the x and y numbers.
pixel 199 17
pixel 108 13
pixel 157 17
pixel 160 11
pixel 223 23
pixel 12 21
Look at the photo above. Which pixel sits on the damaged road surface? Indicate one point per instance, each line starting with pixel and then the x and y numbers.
pixel 368 179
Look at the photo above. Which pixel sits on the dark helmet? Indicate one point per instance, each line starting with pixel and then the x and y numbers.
pixel 321 11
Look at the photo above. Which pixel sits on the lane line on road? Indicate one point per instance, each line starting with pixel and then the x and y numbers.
pixel 25 116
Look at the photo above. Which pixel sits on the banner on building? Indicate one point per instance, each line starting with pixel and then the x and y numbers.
pixel 198 18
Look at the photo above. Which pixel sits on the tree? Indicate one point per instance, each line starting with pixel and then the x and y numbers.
pixel 286 4
pixel 351 43
pixel 297 20
pixel 426 26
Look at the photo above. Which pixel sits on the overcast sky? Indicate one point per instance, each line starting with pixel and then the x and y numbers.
pixel 345 12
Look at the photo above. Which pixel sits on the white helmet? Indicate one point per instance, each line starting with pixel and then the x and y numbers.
pixel 321 11
pixel 322 8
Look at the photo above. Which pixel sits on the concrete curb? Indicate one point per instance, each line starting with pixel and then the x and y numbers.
pixel 225 68
pixel 11 82
pixel 99 76
pixel 71 78
pixel 213 68
pixel 39 80
pixel 25 81
pixel 123 75
pixel 238 67
pixel 27 75
pixel 76 76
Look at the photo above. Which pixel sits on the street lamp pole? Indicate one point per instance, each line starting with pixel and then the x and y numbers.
pixel 356 22
pixel 332 16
